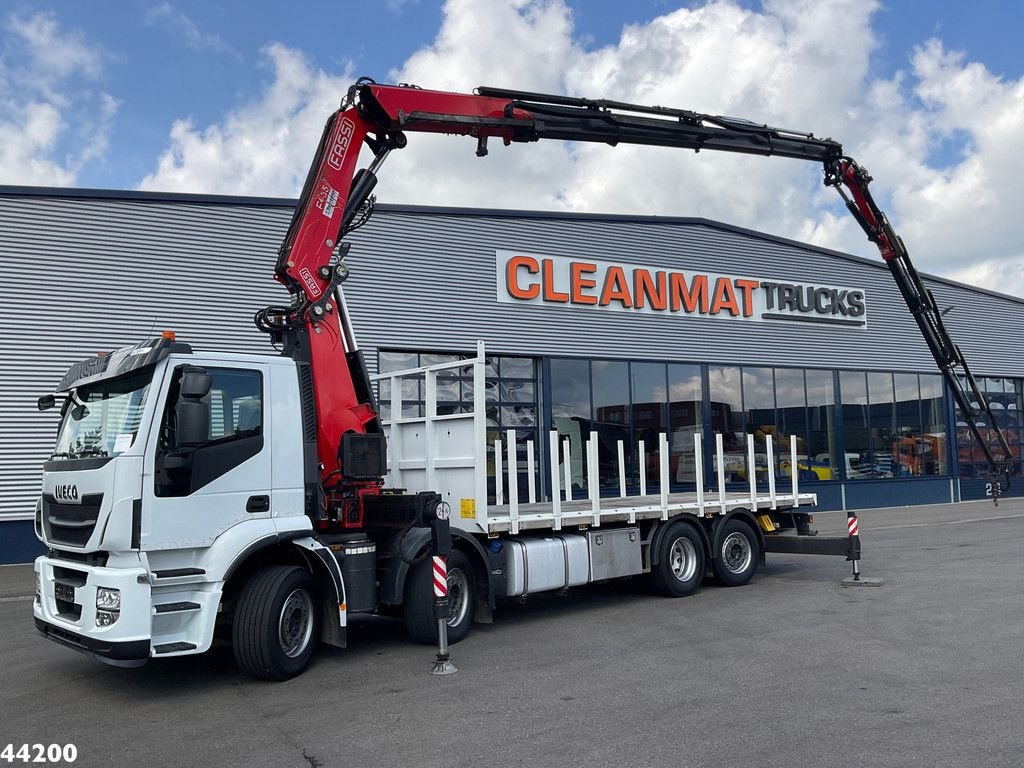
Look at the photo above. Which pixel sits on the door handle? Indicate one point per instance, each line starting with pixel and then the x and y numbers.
pixel 257 504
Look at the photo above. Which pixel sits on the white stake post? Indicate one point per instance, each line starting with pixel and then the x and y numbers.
pixel 567 466
pixel 698 470
pixel 622 470
pixel 499 474
pixel 593 479
pixel 751 473
pixel 556 491
pixel 663 480
pixel 770 446
pixel 720 452
pixel 642 458
pixel 513 482
pixel 794 470
pixel 531 475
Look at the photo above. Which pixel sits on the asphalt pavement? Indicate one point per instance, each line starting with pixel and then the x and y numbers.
pixel 791 670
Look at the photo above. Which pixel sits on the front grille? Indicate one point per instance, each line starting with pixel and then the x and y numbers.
pixel 71 524
pixel 92 559
pixel 65 583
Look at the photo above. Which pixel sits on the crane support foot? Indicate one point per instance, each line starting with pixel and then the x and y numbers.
pixel 443 666
pixel 862 581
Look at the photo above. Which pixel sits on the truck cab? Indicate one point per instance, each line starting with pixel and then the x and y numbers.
pixel 168 467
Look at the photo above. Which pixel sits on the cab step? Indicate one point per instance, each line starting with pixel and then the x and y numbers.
pixel 174 647
pixel 177 607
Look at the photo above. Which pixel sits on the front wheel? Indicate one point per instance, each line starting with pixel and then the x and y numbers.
pixel 275 628
pixel 419 600
pixel 737 555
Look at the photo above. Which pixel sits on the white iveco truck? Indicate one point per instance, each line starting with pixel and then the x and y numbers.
pixel 262 499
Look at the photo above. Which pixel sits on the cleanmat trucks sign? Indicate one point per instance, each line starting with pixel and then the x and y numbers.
pixel 525 278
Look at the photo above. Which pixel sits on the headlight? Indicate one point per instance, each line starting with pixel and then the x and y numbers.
pixel 39 588
pixel 108 599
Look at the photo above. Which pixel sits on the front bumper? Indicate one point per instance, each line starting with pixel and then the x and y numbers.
pixel 66 610
pixel 127 653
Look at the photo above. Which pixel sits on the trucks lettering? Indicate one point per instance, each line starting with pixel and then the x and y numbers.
pixel 559 280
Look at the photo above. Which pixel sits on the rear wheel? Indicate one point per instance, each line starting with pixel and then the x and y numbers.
pixel 419 600
pixel 737 554
pixel 680 566
pixel 275 628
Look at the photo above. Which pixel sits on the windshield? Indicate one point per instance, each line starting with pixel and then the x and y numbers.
pixel 102 419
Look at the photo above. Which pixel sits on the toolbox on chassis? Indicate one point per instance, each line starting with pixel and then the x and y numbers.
pixel 264 497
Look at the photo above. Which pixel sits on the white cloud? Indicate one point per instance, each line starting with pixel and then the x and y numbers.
pixel 52 118
pixel 783 64
pixel 194 37
pixel 262 148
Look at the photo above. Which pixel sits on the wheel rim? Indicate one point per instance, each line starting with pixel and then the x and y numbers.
pixel 682 559
pixel 736 552
pixel 458 596
pixel 295 626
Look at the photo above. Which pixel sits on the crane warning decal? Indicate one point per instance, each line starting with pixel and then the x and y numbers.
pixel 562 281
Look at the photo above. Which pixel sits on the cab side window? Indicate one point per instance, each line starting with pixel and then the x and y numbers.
pixel 234 413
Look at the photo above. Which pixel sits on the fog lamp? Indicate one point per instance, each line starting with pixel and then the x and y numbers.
pixel 108 599
pixel 106 618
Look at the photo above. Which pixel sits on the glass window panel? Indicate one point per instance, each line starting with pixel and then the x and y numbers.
pixel 518 416
pixel 685 418
pixel 913 452
pixel 610 381
pixel 390 360
pixel 649 407
pixel 759 418
pixel 570 411
pixel 516 367
pixel 791 423
pixel 448 390
pixel 853 393
pixel 821 428
pixel 427 358
pixel 726 395
pixel 881 400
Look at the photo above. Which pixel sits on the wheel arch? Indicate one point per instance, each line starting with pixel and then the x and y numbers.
pixel 301 551
pixel 414 544
pixel 747 517
pixel 663 527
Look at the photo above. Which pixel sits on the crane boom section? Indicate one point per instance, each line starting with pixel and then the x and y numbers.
pixel 336 199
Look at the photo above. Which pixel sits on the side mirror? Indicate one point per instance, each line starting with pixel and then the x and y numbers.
pixel 195 384
pixel 191 414
pixel 46 402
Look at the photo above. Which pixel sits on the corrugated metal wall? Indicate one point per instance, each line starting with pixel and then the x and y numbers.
pixel 82 274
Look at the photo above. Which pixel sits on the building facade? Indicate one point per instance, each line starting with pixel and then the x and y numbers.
pixel 621 325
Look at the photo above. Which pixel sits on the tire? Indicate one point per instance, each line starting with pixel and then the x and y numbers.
pixel 276 625
pixel 419 600
pixel 738 553
pixel 680 566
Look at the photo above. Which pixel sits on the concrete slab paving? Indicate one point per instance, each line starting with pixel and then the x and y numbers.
pixel 791 670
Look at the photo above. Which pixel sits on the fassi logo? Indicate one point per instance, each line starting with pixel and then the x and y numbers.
pixel 340 145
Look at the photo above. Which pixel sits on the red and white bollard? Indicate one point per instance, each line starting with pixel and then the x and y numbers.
pixel 854 530
pixel 441 545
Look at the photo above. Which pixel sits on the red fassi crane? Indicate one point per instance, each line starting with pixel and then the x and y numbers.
pixel 344 440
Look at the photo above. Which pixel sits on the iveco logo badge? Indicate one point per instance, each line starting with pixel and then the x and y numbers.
pixel 66 492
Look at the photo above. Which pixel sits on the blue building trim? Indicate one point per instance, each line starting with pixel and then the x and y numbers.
pixel 18 542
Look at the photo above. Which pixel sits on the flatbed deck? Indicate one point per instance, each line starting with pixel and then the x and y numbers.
pixel 580 513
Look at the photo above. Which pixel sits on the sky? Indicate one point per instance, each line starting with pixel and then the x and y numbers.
pixel 230 98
